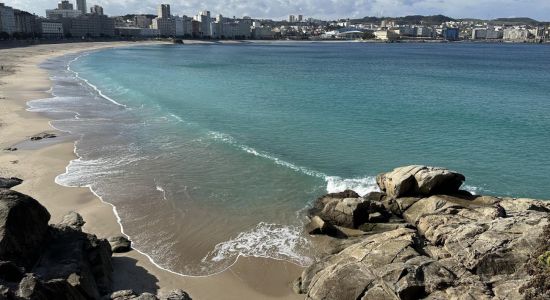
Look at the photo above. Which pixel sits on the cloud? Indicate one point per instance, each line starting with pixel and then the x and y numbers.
pixel 326 9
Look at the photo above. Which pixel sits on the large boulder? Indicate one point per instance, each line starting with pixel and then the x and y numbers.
pixel 23 228
pixel 81 259
pixel 349 212
pixel 120 244
pixel 419 180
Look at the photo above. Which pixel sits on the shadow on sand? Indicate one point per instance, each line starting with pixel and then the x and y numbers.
pixel 128 275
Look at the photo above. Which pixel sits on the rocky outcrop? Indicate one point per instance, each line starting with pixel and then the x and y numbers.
pixel 23 228
pixel 8 183
pixel 59 261
pixel 120 244
pixel 414 180
pixel 434 242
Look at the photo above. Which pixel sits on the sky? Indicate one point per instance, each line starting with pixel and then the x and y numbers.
pixel 320 9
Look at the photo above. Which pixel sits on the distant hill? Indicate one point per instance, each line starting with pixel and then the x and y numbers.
pixel 514 21
pixel 415 19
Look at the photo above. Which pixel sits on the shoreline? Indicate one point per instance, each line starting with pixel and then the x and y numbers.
pixel 26 81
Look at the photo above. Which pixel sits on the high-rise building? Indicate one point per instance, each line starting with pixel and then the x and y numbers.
pixel 81 6
pixel 7 19
pixel 64 10
pixel 96 10
pixel 292 18
pixel 65 5
pixel 300 18
pixel 164 11
pixel 25 22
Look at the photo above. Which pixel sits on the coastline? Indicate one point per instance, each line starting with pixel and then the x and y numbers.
pixel 23 80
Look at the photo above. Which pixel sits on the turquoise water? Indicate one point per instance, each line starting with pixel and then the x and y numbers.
pixel 213 151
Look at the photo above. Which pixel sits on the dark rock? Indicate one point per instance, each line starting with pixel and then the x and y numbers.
pixel 419 180
pixel 24 228
pixel 44 135
pixel 120 244
pixel 8 183
pixel 32 288
pixel 81 259
pixel 9 272
pixel 377 217
pixel 11 149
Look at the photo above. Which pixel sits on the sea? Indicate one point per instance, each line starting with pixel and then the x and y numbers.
pixel 212 152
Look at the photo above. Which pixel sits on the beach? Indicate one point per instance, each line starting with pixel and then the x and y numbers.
pixel 38 163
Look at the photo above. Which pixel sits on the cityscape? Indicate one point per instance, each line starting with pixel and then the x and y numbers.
pixel 79 21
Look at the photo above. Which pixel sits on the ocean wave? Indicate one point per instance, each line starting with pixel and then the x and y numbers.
pixel 361 186
pixel 335 184
pixel 95 88
pixel 265 241
pixel 475 190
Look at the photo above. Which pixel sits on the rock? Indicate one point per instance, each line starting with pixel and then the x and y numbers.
pixel 454 245
pixel 23 228
pixel 146 296
pixel 81 259
pixel 176 295
pixel 9 272
pixel 8 183
pixel 122 295
pixel 44 135
pixel 73 220
pixel 10 149
pixel 348 212
pixel 318 226
pixel 419 180
pixel 120 244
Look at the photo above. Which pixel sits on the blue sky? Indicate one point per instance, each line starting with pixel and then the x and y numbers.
pixel 326 9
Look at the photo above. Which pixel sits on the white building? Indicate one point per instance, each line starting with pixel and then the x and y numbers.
pixel 236 30
pixel 486 34
pixel 7 19
pixel 57 13
pixel 205 24
pixel 164 11
pixel 516 34
pixel 424 31
pixel 51 29
pixel 386 35
pixel 165 26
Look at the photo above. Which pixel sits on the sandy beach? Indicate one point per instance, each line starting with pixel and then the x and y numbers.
pixel 22 80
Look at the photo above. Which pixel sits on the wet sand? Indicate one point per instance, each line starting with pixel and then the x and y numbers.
pixel 38 164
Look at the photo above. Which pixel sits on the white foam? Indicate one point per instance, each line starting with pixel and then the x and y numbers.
pixel 475 190
pixel 161 189
pixel 361 186
pixel 76 74
pixel 265 241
